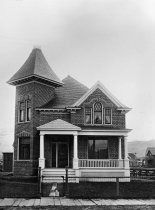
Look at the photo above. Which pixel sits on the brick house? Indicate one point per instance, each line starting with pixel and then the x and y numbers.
pixel 63 123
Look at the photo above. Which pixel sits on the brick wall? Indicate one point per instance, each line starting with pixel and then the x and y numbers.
pixel 39 94
pixel 118 119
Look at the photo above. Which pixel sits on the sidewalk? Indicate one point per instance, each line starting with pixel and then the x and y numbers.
pixel 65 203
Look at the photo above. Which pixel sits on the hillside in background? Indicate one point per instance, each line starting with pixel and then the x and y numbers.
pixel 139 147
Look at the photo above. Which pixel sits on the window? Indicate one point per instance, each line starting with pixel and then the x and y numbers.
pixel 107 116
pixel 21 111
pixel 97 113
pixel 24 148
pixel 97 149
pixel 88 115
pixel 28 110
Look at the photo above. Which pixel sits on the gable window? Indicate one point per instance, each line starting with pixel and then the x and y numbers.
pixel 28 110
pixel 108 119
pixel 88 115
pixel 97 149
pixel 97 113
pixel 24 148
pixel 21 112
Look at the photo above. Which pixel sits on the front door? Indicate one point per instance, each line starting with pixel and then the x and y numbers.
pixel 60 155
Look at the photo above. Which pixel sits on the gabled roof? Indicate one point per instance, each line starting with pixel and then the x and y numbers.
pixel 35 66
pixel 59 125
pixel 99 85
pixel 67 94
pixel 151 149
pixel 132 156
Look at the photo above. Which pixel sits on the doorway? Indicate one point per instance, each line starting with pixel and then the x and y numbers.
pixel 60 154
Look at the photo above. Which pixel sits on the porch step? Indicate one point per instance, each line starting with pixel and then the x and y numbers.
pixel 57 175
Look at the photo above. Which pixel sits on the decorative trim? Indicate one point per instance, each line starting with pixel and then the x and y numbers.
pixel 50 110
pixel 23 134
pixel 104 132
pixel 105 91
pixel 34 81
pixel 37 76
pixel 94 114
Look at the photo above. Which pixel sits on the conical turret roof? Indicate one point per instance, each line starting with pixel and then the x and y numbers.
pixel 36 67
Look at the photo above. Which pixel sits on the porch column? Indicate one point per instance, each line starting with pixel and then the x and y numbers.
pixel 41 158
pixel 120 148
pixel 126 160
pixel 75 158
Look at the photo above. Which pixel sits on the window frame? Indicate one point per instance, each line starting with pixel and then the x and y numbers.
pixel 18 158
pixel 97 140
pixel 101 114
pixel 105 116
pixel 90 116
pixel 19 112
pixel 26 111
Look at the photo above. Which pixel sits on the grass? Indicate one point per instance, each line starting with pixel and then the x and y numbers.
pixel 17 187
pixel 133 189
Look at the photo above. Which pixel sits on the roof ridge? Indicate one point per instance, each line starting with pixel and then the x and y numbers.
pixel 68 76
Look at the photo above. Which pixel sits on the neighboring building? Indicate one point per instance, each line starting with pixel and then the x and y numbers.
pixel 150 157
pixel 63 123
pixel 7 161
pixel 134 161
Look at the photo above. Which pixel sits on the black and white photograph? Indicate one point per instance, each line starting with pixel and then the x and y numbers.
pixel 77 104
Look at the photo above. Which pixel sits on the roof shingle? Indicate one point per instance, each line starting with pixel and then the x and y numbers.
pixel 36 65
pixel 67 94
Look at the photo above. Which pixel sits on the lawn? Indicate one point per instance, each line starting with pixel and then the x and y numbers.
pixel 16 187
pixel 133 189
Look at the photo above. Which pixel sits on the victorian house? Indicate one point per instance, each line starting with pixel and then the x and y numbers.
pixel 63 123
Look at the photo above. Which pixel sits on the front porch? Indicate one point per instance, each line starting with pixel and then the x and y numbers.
pixel 85 153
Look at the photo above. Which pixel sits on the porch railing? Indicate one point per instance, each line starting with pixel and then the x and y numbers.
pixel 96 163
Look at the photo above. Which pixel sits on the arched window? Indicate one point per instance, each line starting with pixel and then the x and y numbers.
pixel 97 113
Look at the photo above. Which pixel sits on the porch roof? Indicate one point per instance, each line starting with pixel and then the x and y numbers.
pixel 59 125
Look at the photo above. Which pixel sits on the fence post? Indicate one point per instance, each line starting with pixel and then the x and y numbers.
pixel 39 181
pixel 67 189
pixel 117 186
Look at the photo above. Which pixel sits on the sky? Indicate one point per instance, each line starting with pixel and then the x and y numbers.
pixel 112 41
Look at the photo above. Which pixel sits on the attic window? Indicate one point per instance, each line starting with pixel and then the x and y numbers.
pixel 108 116
pixel 97 113
pixel 88 115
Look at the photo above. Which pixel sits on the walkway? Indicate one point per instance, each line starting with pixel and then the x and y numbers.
pixel 65 203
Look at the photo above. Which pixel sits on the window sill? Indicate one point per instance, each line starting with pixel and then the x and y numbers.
pixel 98 124
pixel 23 122
pixel 23 160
